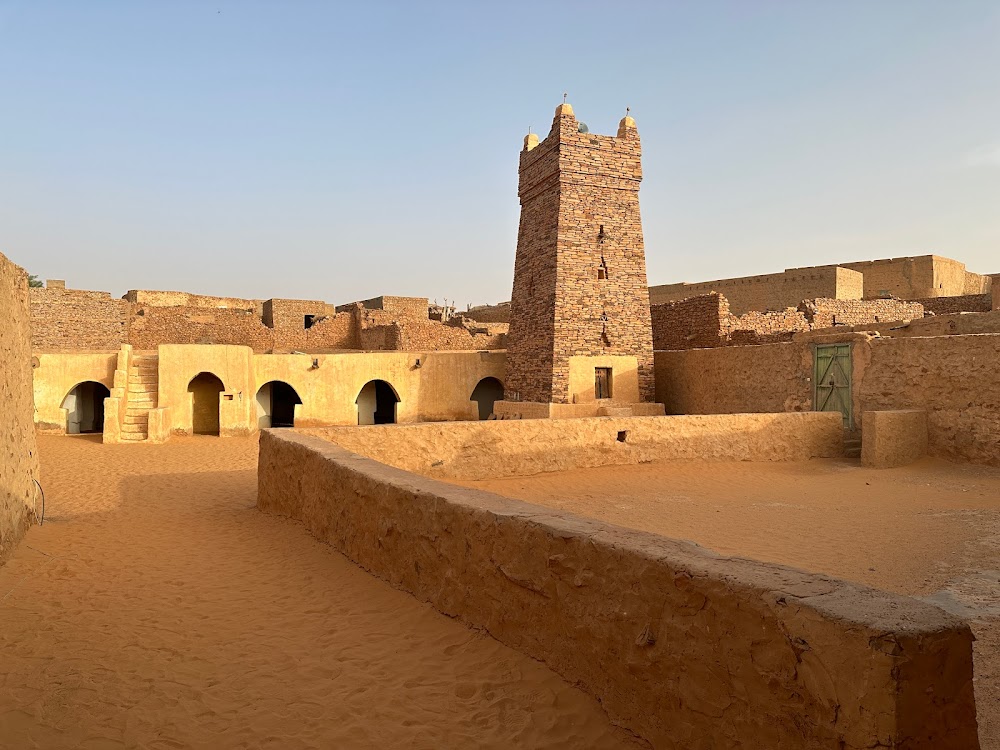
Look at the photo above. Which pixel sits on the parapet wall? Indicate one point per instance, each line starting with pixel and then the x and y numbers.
pixel 681 646
pixel 482 450
pixel 18 450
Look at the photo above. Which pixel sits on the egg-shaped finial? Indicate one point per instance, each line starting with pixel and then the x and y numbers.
pixel 530 141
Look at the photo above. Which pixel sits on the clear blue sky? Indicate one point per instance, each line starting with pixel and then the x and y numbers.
pixel 340 151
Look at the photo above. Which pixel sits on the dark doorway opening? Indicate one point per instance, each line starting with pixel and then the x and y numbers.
pixel 84 406
pixel 205 389
pixel 602 382
pixel 377 403
pixel 487 392
pixel 276 401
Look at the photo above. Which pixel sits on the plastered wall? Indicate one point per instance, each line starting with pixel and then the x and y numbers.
pixel 956 379
pixel 55 375
pixel 481 450
pixel 18 450
pixel 683 647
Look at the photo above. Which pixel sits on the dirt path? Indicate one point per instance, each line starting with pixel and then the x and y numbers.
pixel 931 529
pixel 157 608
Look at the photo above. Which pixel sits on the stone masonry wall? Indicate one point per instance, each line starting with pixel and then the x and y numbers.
pixel 679 645
pixel 75 319
pixel 489 313
pixel 705 321
pixel 774 292
pixel 580 274
pixel 158 298
pixel 18 450
pixel 952 305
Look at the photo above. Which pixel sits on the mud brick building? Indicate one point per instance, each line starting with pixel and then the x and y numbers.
pixel 579 311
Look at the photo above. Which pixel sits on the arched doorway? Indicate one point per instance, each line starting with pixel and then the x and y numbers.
pixel 205 389
pixel 84 406
pixel 486 392
pixel 276 402
pixel 377 403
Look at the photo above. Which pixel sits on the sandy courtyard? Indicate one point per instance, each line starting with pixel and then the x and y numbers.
pixel 931 529
pixel 157 608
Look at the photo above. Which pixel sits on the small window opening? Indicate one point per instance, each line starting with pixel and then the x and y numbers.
pixel 622 436
pixel 602 274
pixel 309 321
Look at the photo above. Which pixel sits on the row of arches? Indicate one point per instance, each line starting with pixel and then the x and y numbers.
pixel 276 401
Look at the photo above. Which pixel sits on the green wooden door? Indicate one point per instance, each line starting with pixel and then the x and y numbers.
pixel 833 380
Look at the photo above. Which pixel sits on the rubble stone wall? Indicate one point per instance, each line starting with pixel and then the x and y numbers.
pixel 74 319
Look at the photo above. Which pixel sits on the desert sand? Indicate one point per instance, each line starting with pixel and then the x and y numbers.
pixel 931 529
pixel 157 608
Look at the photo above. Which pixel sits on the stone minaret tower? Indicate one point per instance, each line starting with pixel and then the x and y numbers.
pixel 580 330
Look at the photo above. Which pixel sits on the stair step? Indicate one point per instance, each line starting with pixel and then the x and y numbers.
pixel 140 418
pixel 143 387
pixel 134 437
pixel 133 428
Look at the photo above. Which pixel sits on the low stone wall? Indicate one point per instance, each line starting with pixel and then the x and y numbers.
pixel 682 646
pixel 480 450
pixel 951 305
pixel 18 450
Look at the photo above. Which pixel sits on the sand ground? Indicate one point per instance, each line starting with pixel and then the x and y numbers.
pixel 157 608
pixel 931 529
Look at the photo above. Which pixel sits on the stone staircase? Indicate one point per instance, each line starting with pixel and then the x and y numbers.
pixel 143 383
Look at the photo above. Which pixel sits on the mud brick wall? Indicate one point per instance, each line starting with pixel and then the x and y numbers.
pixel 952 305
pixel 63 319
pixel 18 450
pixel 151 326
pixel 826 313
pixel 681 646
pixel 578 289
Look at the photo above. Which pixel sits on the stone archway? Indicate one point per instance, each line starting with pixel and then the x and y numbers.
pixel 487 392
pixel 276 402
pixel 377 403
pixel 205 389
pixel 84 405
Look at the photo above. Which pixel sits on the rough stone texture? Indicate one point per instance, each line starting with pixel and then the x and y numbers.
pixel 927 276
pixel 580 273
pixel 776 291
pixel 71 318
pixel 956 379
pixel 706 321
pixel 499 313
pixel 996 294
pixel 398 307
pixel 964 303
pixel 156 298
pixel 480 450
pixel 893 438
pixel 18 451
pixel 684 647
